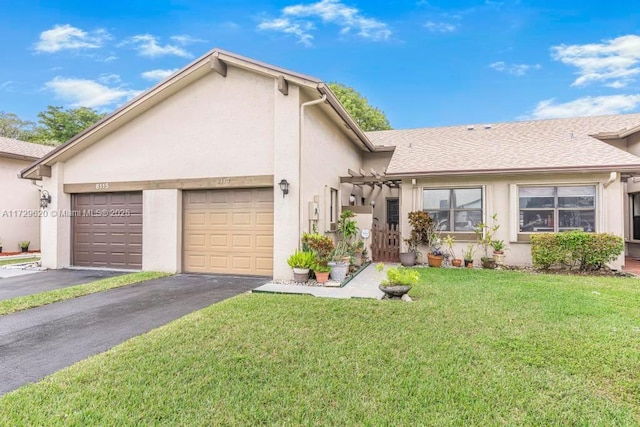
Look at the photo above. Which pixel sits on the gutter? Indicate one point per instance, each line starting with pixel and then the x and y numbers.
pixel 461 172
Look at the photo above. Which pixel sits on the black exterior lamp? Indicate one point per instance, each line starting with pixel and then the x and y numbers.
pixel 45 199
pixel 284 186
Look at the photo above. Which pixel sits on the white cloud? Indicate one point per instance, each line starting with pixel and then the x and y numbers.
pixel 107 78
pixel 614 63
pixel 515 69
pixel 147 45
pixel 7 86
pixel 586 106
pixel 67 37
pixel 185 39
pixel 88 93
pixel 298 20
pixel 157 75
pixel 440 27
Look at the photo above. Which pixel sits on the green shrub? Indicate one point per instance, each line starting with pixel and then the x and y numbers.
pixel 301 259
pixel 398 276
pixel 587 251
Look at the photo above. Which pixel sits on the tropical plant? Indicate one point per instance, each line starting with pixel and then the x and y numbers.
pixel 301 259
pixel 498 245
pixel 322 246
pixel 449 241
pixel 485 232
pixel 320 268
pixel 467 254
pixel 25 244
pixel 348 230
pixel 399 276
pixel 423 229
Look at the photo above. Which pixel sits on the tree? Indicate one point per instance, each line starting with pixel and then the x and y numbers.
pixel 57 125
pixel 367 116
pixel 12 126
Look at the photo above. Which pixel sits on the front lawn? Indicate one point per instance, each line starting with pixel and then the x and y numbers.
pixel 476 348
pixel 18 260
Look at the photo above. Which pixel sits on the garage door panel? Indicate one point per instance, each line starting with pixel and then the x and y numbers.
pixel 107 230
pixel 239 226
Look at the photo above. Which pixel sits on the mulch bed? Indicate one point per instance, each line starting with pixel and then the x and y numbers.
pixel 18 253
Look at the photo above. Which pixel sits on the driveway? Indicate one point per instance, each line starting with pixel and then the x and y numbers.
pixel 38 342
pixel 12 287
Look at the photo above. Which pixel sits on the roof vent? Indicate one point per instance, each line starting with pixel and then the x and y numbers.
pixel 488 126
pixel 470 127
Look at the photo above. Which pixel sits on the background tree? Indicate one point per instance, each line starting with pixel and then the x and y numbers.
pixel 367 116
pixel 12 126
pixel 57 125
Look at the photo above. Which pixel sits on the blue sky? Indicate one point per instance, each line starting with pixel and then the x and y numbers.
pixel 425 63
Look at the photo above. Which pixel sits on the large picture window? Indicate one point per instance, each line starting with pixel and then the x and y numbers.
pixel 553 209
pixel 454 209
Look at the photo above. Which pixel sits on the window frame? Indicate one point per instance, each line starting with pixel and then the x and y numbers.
pixel 464 235
pixel 556 208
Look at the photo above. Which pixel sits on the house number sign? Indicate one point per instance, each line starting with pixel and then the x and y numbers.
pixel 365 233
pixel 102 186
pixel 224 181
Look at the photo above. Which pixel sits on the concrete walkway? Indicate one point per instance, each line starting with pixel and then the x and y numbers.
pixel 39 341
pixel 364 285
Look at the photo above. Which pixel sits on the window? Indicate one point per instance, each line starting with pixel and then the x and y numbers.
pixel 333 207
pixel 454 209
pixel 553 209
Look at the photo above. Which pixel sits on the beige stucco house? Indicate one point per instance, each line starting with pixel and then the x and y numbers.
pixel 19 210
pixel 186 177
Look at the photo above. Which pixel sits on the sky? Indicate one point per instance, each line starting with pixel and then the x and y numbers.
pixel 424 63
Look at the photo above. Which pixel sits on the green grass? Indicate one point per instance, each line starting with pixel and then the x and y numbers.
pixel 36 300
pixel 18 260
pixel 475 348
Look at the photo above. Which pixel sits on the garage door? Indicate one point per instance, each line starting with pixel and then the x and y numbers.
pixel 107 230
pixel 228 231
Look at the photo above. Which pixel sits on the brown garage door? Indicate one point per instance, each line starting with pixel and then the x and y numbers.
pixel 228 231
pixel 107 230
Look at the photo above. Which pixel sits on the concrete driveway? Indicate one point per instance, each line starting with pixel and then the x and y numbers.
pixel 49 280
pixel 38 342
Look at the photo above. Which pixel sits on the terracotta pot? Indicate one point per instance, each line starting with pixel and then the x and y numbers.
pixel 408 259
pixel 468 263
pixel 322 277
pixel 434 260
pixel 456 262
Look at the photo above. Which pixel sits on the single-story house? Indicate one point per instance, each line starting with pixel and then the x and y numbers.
pixel 222 166
pixel 20 205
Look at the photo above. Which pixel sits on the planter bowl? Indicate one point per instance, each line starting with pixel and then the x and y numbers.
pixel 300 275
pixel 394 291
pixel 489 263
pixel 407 259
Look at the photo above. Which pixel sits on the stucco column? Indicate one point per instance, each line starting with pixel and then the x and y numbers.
pixel 55 225
pixel 286 165
pixel 612 207
pixel 407 203
pixel 162 230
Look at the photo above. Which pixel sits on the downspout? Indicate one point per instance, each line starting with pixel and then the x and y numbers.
pixel 301 133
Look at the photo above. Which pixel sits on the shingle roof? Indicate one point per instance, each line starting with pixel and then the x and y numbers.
pixel 529 145
pixel 21 148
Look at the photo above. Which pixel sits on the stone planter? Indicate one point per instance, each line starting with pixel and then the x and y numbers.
pixel 301 275
pixel 394 292
pixel 339 270
pixel 499 257
pixel 456 262
pixel 489 263
pixel 408 259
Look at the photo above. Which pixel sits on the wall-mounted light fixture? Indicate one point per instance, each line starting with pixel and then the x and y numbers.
pixel 373 203
pixel 352 200
pixel 45 199
pixel 284 186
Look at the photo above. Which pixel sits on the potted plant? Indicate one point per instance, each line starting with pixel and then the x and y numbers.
pixel 322 247
pixel 342 253
pixel 301 262
pixel 422 228
pixel 467 255
pixel 498 251
pixel 358 253
pixel 449 242
pixel 25 246
pixel 322 272
pixel 484 234
pixel 398 282
pixel 435 255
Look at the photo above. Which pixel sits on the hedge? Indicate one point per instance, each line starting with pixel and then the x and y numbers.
pixel 587 251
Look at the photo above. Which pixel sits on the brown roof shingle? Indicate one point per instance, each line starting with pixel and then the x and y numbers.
pixel 528 145
pixel 15 147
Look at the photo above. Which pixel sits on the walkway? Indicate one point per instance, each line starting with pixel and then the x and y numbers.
pixel 364 285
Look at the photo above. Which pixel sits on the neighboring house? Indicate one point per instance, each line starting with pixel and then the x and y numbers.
pixel 186 177
pixel 19 200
